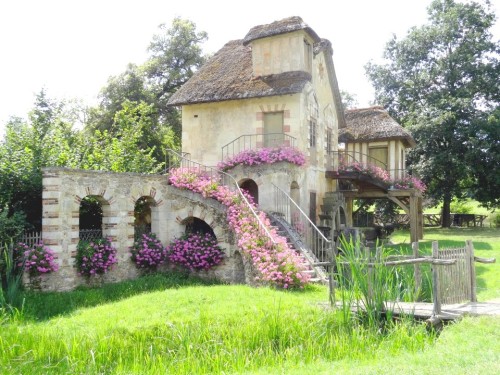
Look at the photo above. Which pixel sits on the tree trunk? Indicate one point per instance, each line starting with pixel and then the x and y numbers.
pixel 445 217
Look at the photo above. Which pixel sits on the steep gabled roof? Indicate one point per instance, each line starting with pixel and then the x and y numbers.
pixel 228 76
pixel 283 26
pixel 372 124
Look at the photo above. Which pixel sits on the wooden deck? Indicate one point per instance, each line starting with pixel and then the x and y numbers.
pixel 422 310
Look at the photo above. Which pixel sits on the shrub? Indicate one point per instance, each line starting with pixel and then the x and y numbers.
pixel 37 260
pixel 195 251
pixel 95 257
pixel 148 252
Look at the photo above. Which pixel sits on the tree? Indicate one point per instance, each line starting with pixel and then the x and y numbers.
pixel 441 81
pixel 349 101
pixel 174 54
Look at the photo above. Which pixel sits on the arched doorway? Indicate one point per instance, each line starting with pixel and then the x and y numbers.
pixel 93 212
pixel 196 225
pixel 251 187
pixel 143 216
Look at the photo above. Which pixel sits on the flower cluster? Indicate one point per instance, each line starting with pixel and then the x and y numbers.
pixel 276 262
pixel 148 252
pixel 409 182
pixel 381 174
pixel 195 251
pixel 37 260
pixel 95 257
pixel 266 155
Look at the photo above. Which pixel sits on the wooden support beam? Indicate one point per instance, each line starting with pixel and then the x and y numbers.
pixel 348 214
pixel 400 204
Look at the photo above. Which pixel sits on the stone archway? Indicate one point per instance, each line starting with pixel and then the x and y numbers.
pixel 143 216
pixel 251 187
pixel 196 225
pixel 94 214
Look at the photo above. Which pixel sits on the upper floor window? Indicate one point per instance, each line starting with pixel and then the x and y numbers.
pixel 312 133
pixel 329 140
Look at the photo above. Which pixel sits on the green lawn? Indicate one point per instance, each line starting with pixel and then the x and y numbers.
pixel 174 324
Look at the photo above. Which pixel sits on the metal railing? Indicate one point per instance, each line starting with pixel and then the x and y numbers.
pixel 90 234
pixel 312 237
pixel 256 141
pixel 222 177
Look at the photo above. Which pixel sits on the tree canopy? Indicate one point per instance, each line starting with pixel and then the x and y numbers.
pixel 441 81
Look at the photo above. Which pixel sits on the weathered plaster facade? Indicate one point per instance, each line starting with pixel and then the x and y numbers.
pixel 63 190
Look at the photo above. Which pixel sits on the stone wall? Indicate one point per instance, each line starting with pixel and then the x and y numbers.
pixel 64 189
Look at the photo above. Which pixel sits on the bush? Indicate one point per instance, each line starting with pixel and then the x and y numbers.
pixel 195 251
pixel 461 207
pixel 148 253
pixel 11 227
pixel 37 260
pixel 95 257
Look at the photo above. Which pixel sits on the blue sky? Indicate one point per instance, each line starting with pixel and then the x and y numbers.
pixel 72 47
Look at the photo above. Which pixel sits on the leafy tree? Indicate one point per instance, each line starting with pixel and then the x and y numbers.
pixel 441 81
pixel 174 54
pixel 349 100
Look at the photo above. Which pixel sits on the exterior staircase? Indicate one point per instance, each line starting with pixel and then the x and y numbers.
pixel 318 274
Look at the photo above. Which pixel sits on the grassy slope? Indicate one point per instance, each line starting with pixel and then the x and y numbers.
pixel 194 330
pixel 486 244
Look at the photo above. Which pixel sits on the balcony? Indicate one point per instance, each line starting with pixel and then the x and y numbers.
pixel 256 141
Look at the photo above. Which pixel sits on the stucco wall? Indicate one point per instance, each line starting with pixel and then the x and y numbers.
pixel 63 190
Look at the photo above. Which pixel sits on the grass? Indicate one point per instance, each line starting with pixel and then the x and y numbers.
pixel 192 329
pixel 486 245
pixel 175 324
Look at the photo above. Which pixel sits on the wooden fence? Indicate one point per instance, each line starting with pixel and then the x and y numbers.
pixel 453 272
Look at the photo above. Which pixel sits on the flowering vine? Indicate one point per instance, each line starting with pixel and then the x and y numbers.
pixel 409 182
pixel 276 263
pixel 95 257
pixel 266 155
pixel 37 260
pixel 195 251
pixel 148 253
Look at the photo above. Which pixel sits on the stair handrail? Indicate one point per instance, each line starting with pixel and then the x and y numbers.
pixel 302 213
pixel 216 171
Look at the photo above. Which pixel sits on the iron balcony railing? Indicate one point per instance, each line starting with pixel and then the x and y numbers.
pixel 312 237
pixel 256 141
pixel 222 177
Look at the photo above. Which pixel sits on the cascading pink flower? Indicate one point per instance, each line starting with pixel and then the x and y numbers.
pixel 276 263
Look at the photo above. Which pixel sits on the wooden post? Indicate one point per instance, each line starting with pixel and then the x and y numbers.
pixel 470 251
pixel 436 298
pixel 413 218
pixel 420 219
pixel 416 271
pixel 348 214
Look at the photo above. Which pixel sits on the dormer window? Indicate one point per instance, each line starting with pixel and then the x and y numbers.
pixel 308 56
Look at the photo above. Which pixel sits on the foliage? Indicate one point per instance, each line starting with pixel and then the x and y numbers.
pixel 10 281
pixel 37 260
pixel 95 257
pixel 461 206
pixel 195 252
pixel 266 155
pixel 440 81
pixel 369 288
pixel 11 227
pixel 148 253
pixel 186 327
pixel 276 263
pixel 349 100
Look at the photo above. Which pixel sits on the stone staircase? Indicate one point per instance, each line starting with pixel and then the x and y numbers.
pixel 318 274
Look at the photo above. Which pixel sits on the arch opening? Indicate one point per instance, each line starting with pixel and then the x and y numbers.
pixel 251 187
pixel 143 216
pixel 93 211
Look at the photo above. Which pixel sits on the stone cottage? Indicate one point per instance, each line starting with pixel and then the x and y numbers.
pixel 274 89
